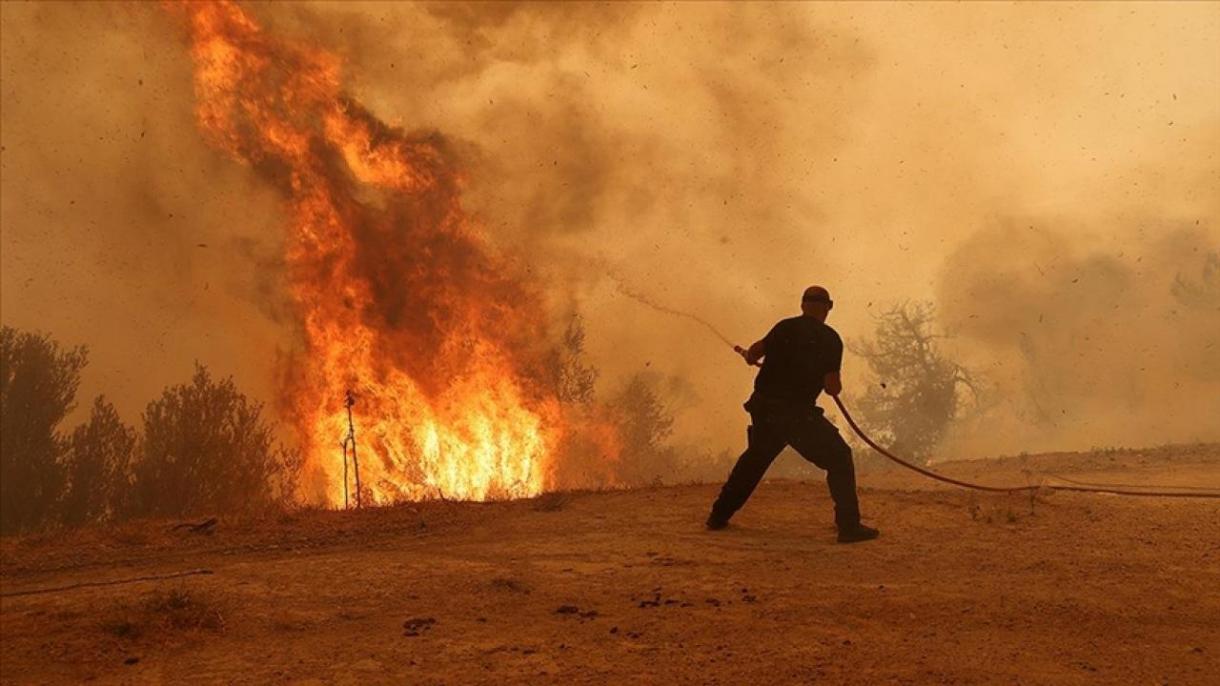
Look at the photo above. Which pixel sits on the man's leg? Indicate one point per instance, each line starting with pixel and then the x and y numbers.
pixel 764 443
pixel 818 441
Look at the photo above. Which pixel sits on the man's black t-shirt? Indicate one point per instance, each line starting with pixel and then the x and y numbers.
pixel 799 353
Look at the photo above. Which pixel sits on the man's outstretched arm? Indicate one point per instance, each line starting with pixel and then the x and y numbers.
pixel 759 350
pixel 756 352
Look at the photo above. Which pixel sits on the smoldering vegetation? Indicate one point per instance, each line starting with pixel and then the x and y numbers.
pixel 1053 201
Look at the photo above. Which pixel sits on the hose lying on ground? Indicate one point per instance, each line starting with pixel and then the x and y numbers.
pixel 113 582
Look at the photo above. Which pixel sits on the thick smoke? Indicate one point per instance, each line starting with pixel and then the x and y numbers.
pixel 121 229
pixel 658 150
pixel 1088 343
pixel 715 158
pixel 718 160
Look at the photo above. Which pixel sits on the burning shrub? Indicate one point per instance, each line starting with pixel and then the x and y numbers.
pixel 916 391
pixel 207 448
pixel 38 382
pixel 441 336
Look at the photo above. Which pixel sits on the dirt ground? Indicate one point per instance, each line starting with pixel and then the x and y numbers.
pixel 627 587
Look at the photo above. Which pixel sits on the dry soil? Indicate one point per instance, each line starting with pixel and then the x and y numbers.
pixel 627 587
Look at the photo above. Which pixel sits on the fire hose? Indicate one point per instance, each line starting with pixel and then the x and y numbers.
pixel 1079 487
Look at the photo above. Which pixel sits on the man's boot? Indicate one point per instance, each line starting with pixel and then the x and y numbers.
pixel 857 533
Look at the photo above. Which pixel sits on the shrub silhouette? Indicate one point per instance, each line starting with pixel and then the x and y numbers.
pixel 38 382
pixel 645 424
pixel 206 448
pixel 96 465
pixel 574 379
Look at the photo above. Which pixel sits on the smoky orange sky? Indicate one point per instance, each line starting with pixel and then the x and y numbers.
pixel 1046 174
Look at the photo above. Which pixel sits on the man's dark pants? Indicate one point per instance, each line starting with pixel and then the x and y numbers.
pixel 813 437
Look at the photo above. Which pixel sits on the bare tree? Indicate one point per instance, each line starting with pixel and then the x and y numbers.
pixel 916 392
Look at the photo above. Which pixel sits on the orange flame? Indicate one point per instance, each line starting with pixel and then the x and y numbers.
pixel 399 297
